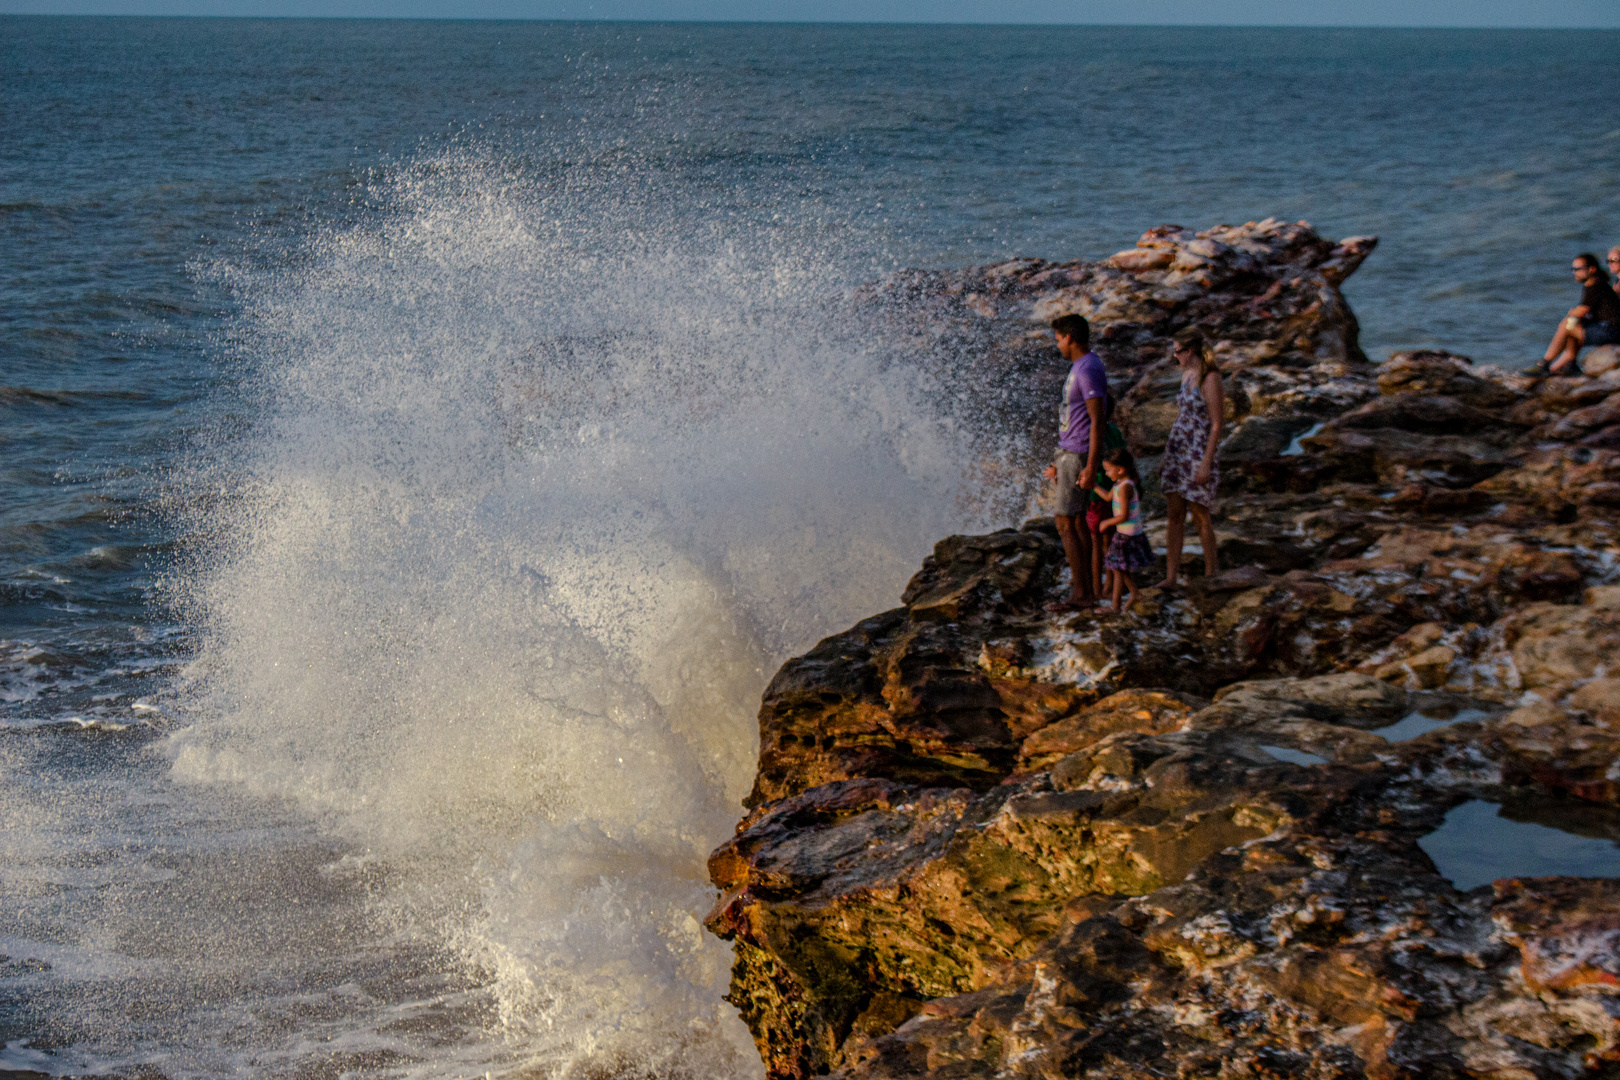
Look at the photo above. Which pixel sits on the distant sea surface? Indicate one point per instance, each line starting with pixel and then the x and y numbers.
pixel 419 441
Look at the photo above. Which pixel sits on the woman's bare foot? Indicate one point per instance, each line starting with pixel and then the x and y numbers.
pixel 1169 583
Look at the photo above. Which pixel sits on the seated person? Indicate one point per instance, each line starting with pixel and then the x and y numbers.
pixel 1594 321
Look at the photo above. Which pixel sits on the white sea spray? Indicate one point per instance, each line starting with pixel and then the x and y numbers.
pixel 551 475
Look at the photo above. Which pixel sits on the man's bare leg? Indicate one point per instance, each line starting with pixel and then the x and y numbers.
pixel 1556 346
pixel 1098 575
pixel 1573 337
pixel 1206 536
pixel 1175 528
pixel 1077 549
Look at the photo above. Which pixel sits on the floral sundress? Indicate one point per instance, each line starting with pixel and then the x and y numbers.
pixel 1184 451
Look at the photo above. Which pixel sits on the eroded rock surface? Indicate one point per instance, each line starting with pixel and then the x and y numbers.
pixel 989 841
pixel 1265 294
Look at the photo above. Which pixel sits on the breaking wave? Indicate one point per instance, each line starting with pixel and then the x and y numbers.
pixel 547 471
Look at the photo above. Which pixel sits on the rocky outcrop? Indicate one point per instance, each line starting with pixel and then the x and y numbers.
pixel 989 841
pixel 1265 294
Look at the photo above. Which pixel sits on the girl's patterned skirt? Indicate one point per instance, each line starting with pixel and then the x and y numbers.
pixel 1129 553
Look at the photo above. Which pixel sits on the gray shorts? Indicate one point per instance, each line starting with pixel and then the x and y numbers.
pixel 1071 501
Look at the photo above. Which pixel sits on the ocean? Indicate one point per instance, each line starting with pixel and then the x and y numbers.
pixel 422 441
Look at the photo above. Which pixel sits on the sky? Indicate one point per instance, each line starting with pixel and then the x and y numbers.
pixel 1482 13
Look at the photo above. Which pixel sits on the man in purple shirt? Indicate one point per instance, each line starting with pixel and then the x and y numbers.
pixel 1082 411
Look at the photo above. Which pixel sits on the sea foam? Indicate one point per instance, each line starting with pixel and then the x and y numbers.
pixel 547 473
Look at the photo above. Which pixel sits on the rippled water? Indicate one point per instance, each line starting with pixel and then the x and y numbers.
pixel 421 441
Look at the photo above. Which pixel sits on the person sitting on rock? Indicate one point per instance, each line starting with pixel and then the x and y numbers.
pixel 1189 474
pixel 1129 551
pixel 1594 321
pixel 1081 416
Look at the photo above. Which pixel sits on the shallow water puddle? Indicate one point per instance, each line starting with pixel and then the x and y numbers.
pixel 1297 446
pixel 1480 842
pixel 1293 757
pixel 1422 722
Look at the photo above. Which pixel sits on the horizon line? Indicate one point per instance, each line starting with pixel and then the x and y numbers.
pixel 678 21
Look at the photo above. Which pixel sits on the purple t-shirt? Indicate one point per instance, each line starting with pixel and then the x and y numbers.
pixel 1086 380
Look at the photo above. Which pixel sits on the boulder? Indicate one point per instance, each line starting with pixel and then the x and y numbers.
pixel 1428 373
pixel 1601 698
pixel 1144 712
pixel 1351 699
pixel 1600 359
pixel 1577 423
pixel 1137 260
pixel 1552 647
pixel 1432 666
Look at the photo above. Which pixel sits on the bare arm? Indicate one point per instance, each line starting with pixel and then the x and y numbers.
pixel 1094 408
pixel 1122 493
pixel 1215 402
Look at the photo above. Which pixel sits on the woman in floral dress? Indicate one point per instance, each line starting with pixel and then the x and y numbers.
pixel 1188 474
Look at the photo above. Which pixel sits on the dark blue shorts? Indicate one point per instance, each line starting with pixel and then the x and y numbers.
pixel 1600 333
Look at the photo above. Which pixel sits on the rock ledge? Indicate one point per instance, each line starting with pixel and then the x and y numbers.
pixel 985 841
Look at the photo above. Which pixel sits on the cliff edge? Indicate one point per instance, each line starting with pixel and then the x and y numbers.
pixel 1198 840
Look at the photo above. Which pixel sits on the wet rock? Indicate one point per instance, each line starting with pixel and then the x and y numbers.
pixel 1436 373
pixel 1600 698
pixel 1266 292
pixel 1558 482
pixel 1338 955
pixel 1240 579
pixel 1551 647
pixel 1432 666
pixel 1427 414
pixel 985 840
pixel 866 892
pixel 1567 930
pixel 1578 423
pixel 1348 698
pixel 1276 554
pixel 1394 456
pixel 1144 712
pixel 1253 438
pixel 1600 360
pixel 1325 716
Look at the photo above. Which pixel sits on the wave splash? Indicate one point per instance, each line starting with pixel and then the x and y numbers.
pixel 547 473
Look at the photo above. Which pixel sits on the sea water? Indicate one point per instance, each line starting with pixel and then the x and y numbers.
pixel 422 441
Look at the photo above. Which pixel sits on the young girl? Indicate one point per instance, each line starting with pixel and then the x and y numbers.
pixel 1129 550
